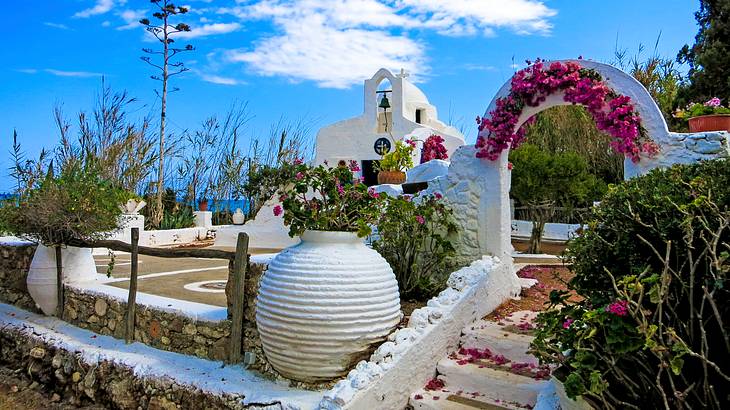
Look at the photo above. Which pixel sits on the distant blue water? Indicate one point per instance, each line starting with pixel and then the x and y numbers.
pixel 230 204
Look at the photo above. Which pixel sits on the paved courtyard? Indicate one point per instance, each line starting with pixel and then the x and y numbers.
pixel 169 276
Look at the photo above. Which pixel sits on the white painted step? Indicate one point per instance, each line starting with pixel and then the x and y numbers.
pixel 453 401
pixel 496 384
pixel 438 400
pixel 484 334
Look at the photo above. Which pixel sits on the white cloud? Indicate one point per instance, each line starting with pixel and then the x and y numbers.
pixel 63 73
pixel 467 17
pixel 101 7
pixel 131 19
pixel 217 79
pixel 311 50
pixel 59 73
pixel 208 30
pixel 338 43
pixel 57 25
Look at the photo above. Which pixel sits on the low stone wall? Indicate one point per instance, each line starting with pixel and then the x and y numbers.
pixel 104 314
pixel 14 266
pixel 105 383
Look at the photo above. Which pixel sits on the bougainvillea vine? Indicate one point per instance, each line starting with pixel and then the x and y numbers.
pixel 613 113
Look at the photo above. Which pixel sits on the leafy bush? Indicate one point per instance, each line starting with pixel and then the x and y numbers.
pixel 181 217
pixel 76 205
pixel 414 240
pixel 328 199
pixel 650 328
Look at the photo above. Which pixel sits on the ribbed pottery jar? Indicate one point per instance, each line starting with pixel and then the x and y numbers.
pixel 323 304
pixel 77 265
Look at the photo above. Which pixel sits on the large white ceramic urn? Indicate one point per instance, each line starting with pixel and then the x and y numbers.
pixel 77 266
pixel 323 304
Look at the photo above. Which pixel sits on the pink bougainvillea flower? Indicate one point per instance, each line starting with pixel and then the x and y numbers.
pixel 277 210
pixel 299 176
pixel 434 384
pixel 421 220
pixel 372 193
pixel 433 148
pixel 418 397
pixel 614 114
pixel 618 308
pixel 509 166
pixel 437 195
pixel 567 323
pixel 340 190
pixel 354 166
pixel 713 102
pixel 298 161
pixel 411 142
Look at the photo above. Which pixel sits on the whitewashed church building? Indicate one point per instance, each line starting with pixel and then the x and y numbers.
pixel 395 109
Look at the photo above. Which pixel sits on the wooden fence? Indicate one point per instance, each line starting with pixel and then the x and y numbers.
pixel 240 261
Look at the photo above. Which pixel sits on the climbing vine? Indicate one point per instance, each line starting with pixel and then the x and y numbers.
pixel 613 113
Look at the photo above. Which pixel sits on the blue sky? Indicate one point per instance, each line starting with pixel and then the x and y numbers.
pixel 304 59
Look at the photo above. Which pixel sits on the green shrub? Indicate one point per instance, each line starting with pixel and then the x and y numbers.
pixel 413 238
pixel 75 205
pixel 180 217
pixel 651 328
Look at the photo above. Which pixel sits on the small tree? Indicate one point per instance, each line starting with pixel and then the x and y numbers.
pixel 164 31
pixel 541 181
pixel 709 57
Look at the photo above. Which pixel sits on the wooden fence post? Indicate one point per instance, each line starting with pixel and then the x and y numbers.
pixel 132 298
pixel 59 283
pixel 239 283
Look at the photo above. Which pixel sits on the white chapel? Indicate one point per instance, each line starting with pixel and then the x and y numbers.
pixel 395 109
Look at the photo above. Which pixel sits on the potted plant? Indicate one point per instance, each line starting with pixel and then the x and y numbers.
pixel 324 303
pixel 709 116
pixel 76 206
pixel 391 168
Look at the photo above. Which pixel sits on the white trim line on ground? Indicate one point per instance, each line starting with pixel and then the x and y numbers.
pixel 174 272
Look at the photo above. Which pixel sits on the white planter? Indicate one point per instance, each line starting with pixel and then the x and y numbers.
pixel 238 217
pixel 322 304
pixel 77 265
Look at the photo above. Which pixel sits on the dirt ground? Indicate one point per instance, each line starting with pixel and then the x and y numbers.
pixel 549 277
pixel 17 392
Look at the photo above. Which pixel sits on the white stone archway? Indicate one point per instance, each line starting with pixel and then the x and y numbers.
pixel 478 189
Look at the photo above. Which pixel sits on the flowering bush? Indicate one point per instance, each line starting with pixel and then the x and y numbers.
pixel 433 148
pixel 327 199
pixel 651 270
pixel 711 107
pixel 413 238
pixel 400 159
pixel 613 113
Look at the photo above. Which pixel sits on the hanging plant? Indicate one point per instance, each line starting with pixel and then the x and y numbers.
pixel 613 113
